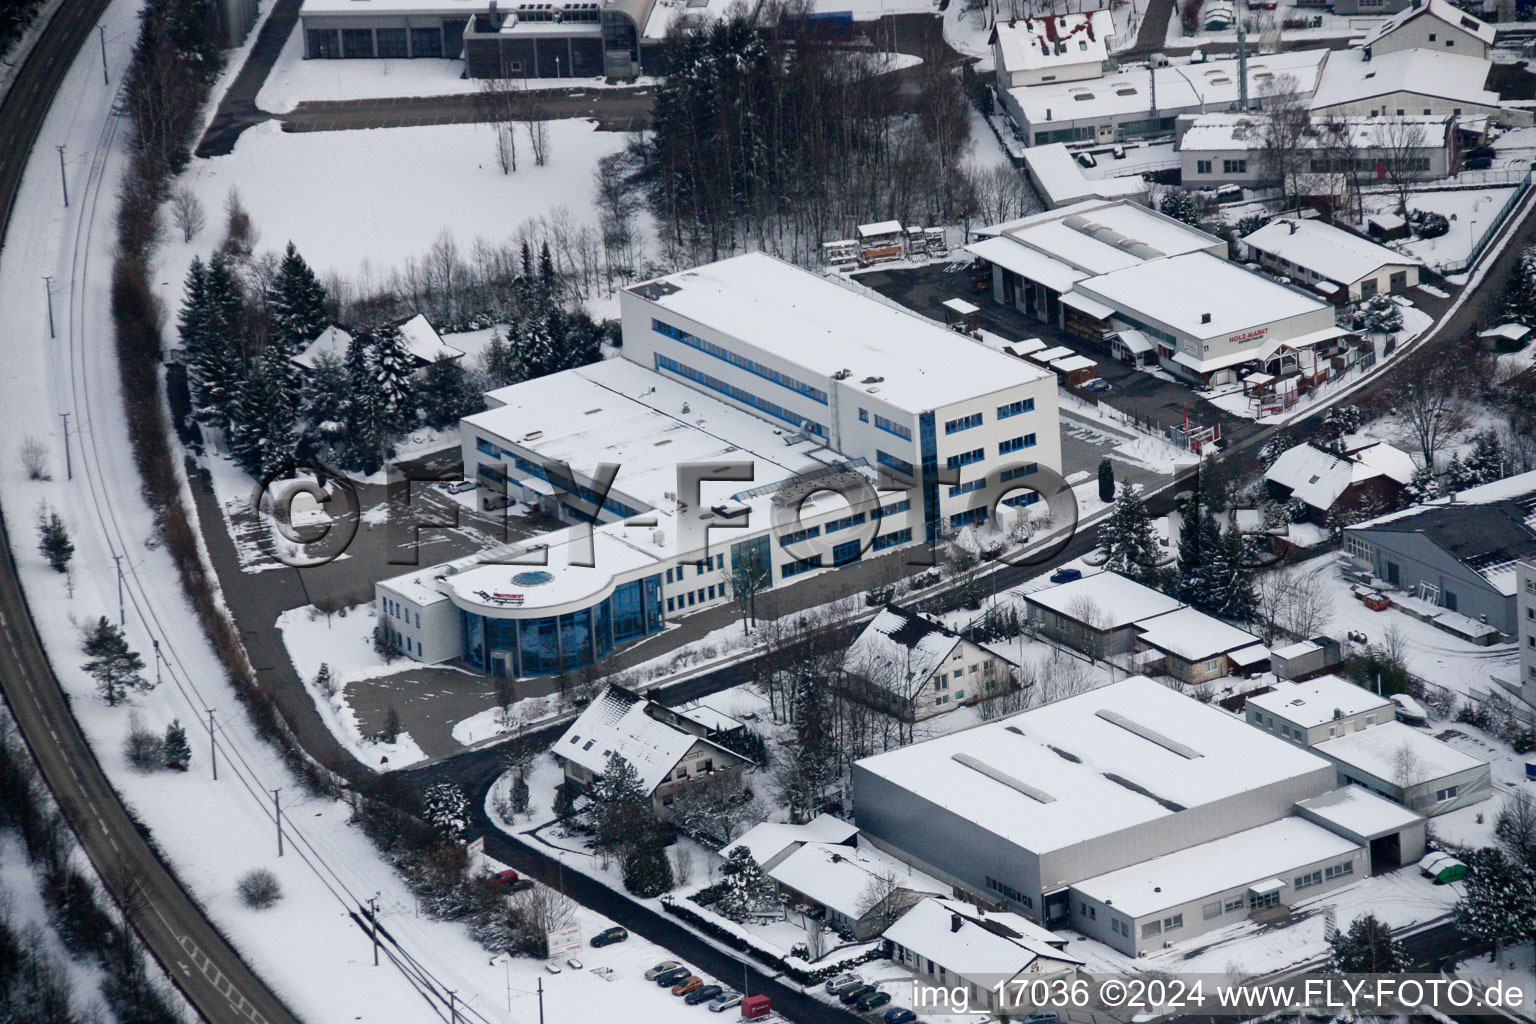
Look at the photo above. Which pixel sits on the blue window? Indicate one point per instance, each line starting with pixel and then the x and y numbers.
pixel 967 488
pixel 891 427
pixel 963 423
pixel 896 507
pixel 796 536
pixel 1019 500
pixel 669 575
pixel 722 353
pixel 891 461
pixel 486 448
pixel 892 539
pixel 1023 405
pixel 843 523
pixel 741 395
pixel 966 458
pixel 1014 444
pixel 669 604
pixel 849 551
pixel 711 592
pixel 1028 469
pixel 967 518
pixel 863 415
pixel 796 568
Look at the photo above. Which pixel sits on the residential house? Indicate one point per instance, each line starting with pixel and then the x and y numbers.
pixel 1341 265
pixel 769 842
pixel 1431 25
pixel 1098 613
pixel 422 343
pixel 1228 149
pixel 859 892
pixel 1457 553
pixel 915 667
pixel 1196 648
pixel 1365 479
pixel 1053 48
pixel 669 759
pixel 992 955
pixel 1406 83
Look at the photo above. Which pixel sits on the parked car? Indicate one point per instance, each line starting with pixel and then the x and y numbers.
pixel 872 1000
pixel 688 984
pixel 1066 575
pixel 1041 1018
pixel 506 878
pixel 573 963
pixel 1098 385
pixel 899 1015
pixel 702 994
pixel 1087 160
pixel 1477 163
pixel 609 936
pixel 1118 151
pixel 552 967
pixel 1409 710
pixel 842 981
pixel 673 976
pixel 724 1001
pixel 459 486
pixel 661 968
pixel 1482 151
pixel 850 995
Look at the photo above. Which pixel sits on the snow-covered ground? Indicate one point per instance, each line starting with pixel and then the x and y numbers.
pixel 362 203
pixel 1268 29
pixel 1471 211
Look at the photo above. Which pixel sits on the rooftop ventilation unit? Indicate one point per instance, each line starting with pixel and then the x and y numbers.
pixel 1152 735
pixel 1037 795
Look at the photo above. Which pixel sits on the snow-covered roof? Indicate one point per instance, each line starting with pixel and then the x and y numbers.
pixel 1135 341
pixel 1092 764
pixel 1240 859
pixel 1326 250
pixel 1194 635
pixel 986 948
pixel 827 326
pixel 1061 178
pixel 899 650
pixel 1375 752
pixel 1315 701
pixel 1318 477
pixel 840 877
pixel 1179 87
pixel 1440 9
pixel 1072 364
pixel 767 839
pixel 1349 78
pixel 424 343
pixel 1117 600
pixel 1236 131
pixel 1090 237
pixel 884 227
pixel 331 343
pixel 1357 810
pixel 1509 332
pixel 1027 262
pixel 1234 298
pixel 708 717
pixel 1062 40
pixel 625 723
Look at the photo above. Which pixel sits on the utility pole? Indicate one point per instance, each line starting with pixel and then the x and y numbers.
pixel 213 747
pixel 69 467
pixel 1242 57
pixel 277 816
pixel 453 1006
pixel 48 294
pixel 102 30
pixel 541 1001
pixel 373 921
pixel 157 661
pixel 122 619
pixel 63 178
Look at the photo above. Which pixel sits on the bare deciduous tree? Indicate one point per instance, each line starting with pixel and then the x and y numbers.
pixel 187 213
pixel 34 458
pixel 1283 121
pixel 1401 144
pixel 544 911
pixel 1432 406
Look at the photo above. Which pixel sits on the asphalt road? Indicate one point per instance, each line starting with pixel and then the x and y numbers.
pixel 200 962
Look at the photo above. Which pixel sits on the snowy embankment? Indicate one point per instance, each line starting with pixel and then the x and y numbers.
pixel 211 832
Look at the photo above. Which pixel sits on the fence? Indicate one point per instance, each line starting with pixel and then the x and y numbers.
pixel 1481 243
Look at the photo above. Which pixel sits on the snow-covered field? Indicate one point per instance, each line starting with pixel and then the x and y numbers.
pixel 361 203
pixel 1471 212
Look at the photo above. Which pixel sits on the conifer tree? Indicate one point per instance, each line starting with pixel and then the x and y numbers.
pixel 743 884
pixel 1234 597
pixel 175 749
pixel 1500 900
pixel 114 665
pixel 364 445
pixel 1106 481
pixel 394 379
pixel 324 396
pixel 519 794
pixel 1367 947
pixel 1128 538
pixel 1199 545
pixel 647 871
pixel 499 362
pixel 53 540
pixel 1485 462
pixel 296 300
pixel 263 427
pixel 447 808
pixel 213 322
pixel 447 394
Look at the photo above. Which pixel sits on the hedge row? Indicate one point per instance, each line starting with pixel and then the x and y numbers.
pixel 799 975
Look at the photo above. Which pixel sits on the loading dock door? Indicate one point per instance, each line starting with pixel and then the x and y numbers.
pixel 1386 853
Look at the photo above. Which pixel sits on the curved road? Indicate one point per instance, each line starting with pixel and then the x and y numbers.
pixel 199 960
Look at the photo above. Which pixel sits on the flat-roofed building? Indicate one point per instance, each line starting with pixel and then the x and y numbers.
pixel 1320 709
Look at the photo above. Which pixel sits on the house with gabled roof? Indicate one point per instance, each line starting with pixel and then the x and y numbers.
pixel 1373 475
pixel 1431 25
pixel 915 667
pixel 422 343
pixel 950 943
pixel 661 745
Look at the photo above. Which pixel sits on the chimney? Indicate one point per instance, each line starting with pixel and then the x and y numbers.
pixel 955 921
pixel 1205 318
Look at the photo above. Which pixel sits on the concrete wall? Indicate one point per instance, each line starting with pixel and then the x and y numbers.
pixel 1418 560
pixel 1285 729
pixel 1473 786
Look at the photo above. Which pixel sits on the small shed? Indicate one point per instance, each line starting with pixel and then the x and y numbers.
pixel 881 241
pixel 1386 227
pixel 958 312
pixel 1505 337
pixel 1443 868
pixel 1306 658
pixel 1075 369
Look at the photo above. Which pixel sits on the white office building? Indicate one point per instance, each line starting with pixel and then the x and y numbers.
pixel 807 385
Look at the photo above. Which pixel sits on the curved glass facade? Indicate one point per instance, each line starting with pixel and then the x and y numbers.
pixel 559 643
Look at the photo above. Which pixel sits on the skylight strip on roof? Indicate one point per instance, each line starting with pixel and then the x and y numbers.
pixel 1037 795
pixel 1115 718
